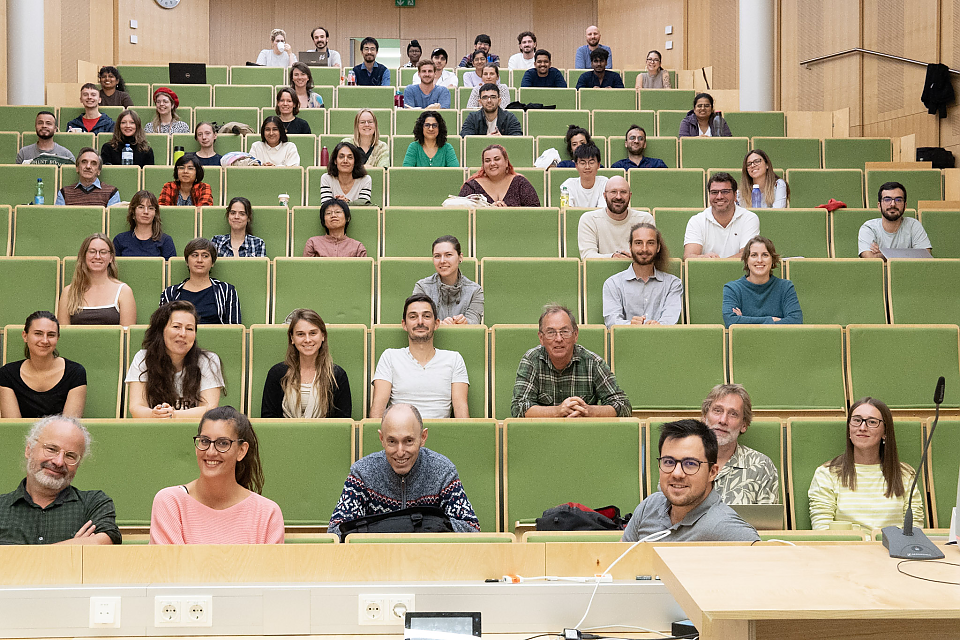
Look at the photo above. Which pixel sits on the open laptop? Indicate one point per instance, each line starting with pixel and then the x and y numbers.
pixel 315 58
pixel 188 73
pixel 905 253
pixel 761 516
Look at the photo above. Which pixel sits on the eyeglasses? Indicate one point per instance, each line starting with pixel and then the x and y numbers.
pixel 551 334
pixel 721 192
pixel 431 125
pixel 703 106
pixel 755 163
pixel 872 423
pixel 221 444
pixel 70 458
pixel 889 200
pixel 99 252
pixel 490 97
pixel 690 466
pixel 653 60
pixel 635 138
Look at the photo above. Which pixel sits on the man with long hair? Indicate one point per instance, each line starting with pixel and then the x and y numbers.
pixel 644 293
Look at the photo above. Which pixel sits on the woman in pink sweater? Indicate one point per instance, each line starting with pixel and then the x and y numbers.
pixel 223 505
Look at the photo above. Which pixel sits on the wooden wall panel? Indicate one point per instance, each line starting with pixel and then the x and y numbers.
pixel 950 56
pixel 3 48
pixel 560 27
pixel 633 28
pixel 711 40
pixel 164 35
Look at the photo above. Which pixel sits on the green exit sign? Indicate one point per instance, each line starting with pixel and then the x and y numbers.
pixel 406 3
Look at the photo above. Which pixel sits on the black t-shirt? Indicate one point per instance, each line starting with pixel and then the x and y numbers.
pixel 205 301
pixel 212 161
pixel 37 404
pixel 297 125
pixel 272 403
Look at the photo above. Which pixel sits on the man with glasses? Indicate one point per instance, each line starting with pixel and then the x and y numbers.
pixel 45 508
pixel 892 231
pixel 635 143
pixel 491 119
pixel 561 379
pixel 588 189
pixel 606 232
pixel 746 476
pixel 687 509
pixel 371 73
pixel 722 229
pixel 88 191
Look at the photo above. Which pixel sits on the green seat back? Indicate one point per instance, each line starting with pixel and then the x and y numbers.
pixel 18 183
pixel 839 291
pixel 943 464
pixel 330 76
pixel 668 122
pixel 516 289
pixel 535 232
pixel 571 228
pixel 667 188
pixel 921 184
pixel 614 122
pixel 250 277
pixel 664 148
pixel 148 74
pixel 790 153
pixel 470 340
pixel 218 74
pixel 142 94
pixel 509 343
pixel 596 271
pixel 180 223
pixel 160 142
pixel 473 446
pixel 406 118
pixel 672 224
pixel 13 434
pixel 306 144
pixel 854 153
pixel 226 142
pixel 666 99
pixel 125 179
pixel 364 227
pixel 703 288
pixel 348 349
pixel 815 354
pixel 32 231
pixel 19 301
pixel 410 231
pixel 396 278
pixel 923 353
pixel 365 98
pixel 573 75
pixel 10 143
pixel 145 276
pixel 339 289
pixel 6 228
pixel 520 149
pixel 342 119
pixel 402 142
pixel 535 483
pixel 845 226
pixel 72 141
pixel 796 232
pixel 557 176
pixel 262 185
pixel 244 95
pixel 191 95
pixel 100 350
pixel 924 291
pixel 554 122
pixel 377 187
pixel 257 75
pixel 269 223
pixel 405 185
pixel 607 98
pixel 316 118
pixel 756 123
pixel 560 144
pixel 943 229
pixel 24 117
pixel 704 153
pixel 812 187
pixel 249 116
pixel 690 363
pixel 561 98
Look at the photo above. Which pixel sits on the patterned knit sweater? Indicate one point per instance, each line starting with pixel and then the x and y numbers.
pixel 373 488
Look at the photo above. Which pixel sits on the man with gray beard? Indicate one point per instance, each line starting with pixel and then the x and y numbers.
pixel 45 508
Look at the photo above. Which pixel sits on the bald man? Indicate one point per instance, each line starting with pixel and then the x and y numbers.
pixel 46 508
pixel 593 42
pixel 605 233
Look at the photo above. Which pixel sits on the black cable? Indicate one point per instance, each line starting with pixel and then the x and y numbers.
pixel 910 575
pixel 541 635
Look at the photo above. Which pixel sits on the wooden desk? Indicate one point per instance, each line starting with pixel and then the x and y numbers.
pixel 850 591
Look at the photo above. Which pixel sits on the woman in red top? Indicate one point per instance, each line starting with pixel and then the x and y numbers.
pixel 188 188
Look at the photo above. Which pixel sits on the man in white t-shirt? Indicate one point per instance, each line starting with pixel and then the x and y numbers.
pixel 587 189
pixel 525 59
pixel 433 380
pixel 892 231
pixel 443 77
pixel 722 229
pixel 605 233
pixel 321 40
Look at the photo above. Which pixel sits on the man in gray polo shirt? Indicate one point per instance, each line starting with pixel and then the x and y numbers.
pixel 687 506
pixel 892 231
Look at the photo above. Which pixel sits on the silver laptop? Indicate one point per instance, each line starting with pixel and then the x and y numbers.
pixel 905 253
pixel 315 58
pixel 762 516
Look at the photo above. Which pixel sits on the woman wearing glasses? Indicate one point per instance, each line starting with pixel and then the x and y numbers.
pixel 171 376
pixel 760 297
pixel 44 383
pixel 867 484
pixel 702 120
pixel 760 188
pixel 430 147
pixel 96 295
pixel 655 77
pixel 223 505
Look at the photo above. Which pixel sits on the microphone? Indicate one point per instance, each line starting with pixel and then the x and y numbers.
pixel 910 543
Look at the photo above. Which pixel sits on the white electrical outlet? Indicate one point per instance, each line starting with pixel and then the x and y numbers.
pixel 166 612
pixel 370 609
pixel 384 609
pixel 183 611
pixel 105 613
pixel 397 607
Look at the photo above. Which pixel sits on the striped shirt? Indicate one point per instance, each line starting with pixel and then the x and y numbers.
pixel 177 518
pixel 867 506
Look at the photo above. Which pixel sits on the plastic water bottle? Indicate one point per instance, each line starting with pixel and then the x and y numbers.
pixel 38 196
pixel 756 198
pixel 351 79
pixel 324 156
pixel 126 156
pixel 564 197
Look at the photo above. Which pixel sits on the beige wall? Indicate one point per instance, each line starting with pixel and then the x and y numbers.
pixel 633 28
pixel 181 34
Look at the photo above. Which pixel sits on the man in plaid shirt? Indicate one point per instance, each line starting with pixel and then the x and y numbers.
pixel 561 379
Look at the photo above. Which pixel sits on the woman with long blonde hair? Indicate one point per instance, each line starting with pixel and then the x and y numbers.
pixel 96 295
pixel 307 384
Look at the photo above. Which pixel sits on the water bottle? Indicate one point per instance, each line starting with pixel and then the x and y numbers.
pixel 756 198
pixel 398 99
pixel 177 154
pixel 351 79
pixel 38 196
pixel 564 196
pixel 324 156
pixel 126 156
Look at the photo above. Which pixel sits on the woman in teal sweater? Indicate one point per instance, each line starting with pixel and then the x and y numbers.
pixel 758 297
pixel 430 147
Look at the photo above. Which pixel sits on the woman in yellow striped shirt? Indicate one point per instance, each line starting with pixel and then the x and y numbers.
pixel 866 485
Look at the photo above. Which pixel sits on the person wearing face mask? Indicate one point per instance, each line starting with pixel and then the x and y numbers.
pixel 279 54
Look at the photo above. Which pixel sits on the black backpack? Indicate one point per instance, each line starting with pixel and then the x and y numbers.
pixel 569 517
pixel 409 520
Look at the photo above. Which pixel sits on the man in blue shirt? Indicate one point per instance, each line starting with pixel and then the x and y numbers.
pixel 371 73
pixel 542 74
pixel 600 77
pixel 636 144
pixel 593 43
pixel 426 95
